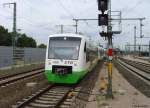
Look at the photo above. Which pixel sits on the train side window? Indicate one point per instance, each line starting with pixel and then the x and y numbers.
pixel 85 47
pixel 87 56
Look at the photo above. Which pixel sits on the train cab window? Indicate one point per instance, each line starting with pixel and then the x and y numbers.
pixel 66 48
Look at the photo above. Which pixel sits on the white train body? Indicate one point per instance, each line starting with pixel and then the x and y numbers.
pixel 67 58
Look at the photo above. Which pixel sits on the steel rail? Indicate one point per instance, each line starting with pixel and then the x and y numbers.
pixel 63 95
pixel 139 74
pixel 19 77
pixel 139 65
pixel 19 73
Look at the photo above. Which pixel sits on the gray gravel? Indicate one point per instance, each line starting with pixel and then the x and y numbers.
pixel 13 93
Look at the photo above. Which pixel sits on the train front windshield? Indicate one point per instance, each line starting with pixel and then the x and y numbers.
pixel 64 48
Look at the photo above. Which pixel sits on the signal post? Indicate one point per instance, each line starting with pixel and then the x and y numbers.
pixel 104 20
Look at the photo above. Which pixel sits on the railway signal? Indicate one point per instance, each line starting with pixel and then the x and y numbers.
pixel 103 20
pixel 103 34
pixel 102 5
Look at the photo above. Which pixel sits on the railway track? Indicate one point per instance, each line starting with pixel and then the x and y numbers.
pixel 141 69
pixel 49 97
pixel 139 65
pixel 18 73
pixel 136 73
pixel 56 96
pixel 19 76
pixel 145 59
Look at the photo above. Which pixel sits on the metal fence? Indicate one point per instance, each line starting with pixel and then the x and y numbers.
pixel 6 56
pixel 34 55
pixel 30 56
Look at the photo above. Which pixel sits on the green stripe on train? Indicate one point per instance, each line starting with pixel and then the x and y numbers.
pixel 68 78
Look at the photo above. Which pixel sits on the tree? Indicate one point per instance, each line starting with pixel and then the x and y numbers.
pixel 22 41
pixel 5 37
pixel 42 46
pixel 25 41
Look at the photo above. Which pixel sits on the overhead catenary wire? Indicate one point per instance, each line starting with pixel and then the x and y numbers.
pixel 35 9
pixel 32 22
pixel 69 13
pixel 130 9
pixel 4 15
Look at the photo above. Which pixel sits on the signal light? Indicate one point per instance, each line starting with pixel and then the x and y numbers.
pixel 103 19
pixel 106 34
pixel 102 5
pixel 103 34
pixel 110 52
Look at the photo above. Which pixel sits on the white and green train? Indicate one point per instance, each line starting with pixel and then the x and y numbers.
pixel 69 57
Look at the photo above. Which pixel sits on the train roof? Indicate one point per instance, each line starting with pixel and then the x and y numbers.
pixel 67 35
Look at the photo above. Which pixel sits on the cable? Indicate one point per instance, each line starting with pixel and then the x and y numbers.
pixel 89 25
pixel 69 13
pixel 36 9
pixel 39 15
pixel 127 9
pixel 91 6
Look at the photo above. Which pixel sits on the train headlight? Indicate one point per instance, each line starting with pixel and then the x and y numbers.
pixel 75 64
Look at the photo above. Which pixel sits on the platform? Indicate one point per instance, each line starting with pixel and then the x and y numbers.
pixel 125 95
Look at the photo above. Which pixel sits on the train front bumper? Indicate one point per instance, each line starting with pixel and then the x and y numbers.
pixel 72 78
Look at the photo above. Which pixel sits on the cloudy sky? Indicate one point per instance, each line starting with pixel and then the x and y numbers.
pixel 39 18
